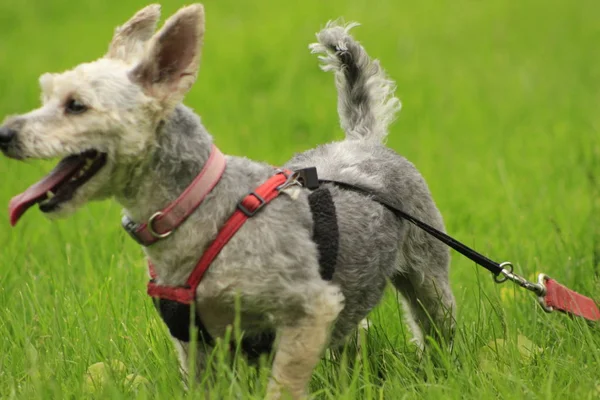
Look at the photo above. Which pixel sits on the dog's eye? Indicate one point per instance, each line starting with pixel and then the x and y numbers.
pixel 75 107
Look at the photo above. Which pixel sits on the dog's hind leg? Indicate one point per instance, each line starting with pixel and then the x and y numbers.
pixel 301 343
pixel 423 282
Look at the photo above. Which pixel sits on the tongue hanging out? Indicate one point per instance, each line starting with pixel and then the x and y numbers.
pixel 62 181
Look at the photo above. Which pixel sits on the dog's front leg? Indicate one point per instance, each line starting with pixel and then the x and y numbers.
pixel 301 343
pixel 187 356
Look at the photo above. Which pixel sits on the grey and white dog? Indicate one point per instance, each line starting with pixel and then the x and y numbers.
pixel 122 131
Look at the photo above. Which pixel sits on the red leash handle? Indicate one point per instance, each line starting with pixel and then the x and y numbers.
pixel 552 295
pixel 561 298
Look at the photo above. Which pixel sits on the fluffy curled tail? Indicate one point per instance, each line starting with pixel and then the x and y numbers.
pixel 366 101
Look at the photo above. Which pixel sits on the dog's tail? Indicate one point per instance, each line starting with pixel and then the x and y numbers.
pixel 366 101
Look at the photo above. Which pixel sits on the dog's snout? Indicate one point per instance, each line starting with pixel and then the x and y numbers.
pixel 7 135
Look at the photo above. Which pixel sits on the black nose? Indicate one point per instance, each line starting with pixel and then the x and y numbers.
pixel 6 137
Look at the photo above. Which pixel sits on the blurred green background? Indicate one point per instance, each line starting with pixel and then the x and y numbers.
pixel 500 104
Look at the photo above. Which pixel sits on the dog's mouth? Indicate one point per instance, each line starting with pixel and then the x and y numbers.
pixel 59 186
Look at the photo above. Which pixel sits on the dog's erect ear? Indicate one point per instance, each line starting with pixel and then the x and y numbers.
pixel 129 40
pixel 170 65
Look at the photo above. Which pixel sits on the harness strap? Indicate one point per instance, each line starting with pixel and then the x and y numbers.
pixel 326 233
pixel 246 208
pixel 180 319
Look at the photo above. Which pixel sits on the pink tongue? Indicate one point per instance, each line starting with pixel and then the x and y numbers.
pixel 64 171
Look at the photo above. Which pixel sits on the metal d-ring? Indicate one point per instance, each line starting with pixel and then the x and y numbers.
pixel 292 180
pixel 150 226
pixel 504 272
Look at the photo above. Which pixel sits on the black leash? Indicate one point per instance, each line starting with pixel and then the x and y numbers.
pixel 463 249
pixel 492 266
pixel 309 179
pixel 550 294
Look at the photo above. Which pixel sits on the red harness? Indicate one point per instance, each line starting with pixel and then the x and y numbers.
pixel 164 222
pixel 246 208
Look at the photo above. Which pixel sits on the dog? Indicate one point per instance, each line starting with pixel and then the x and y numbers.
pixel 120 127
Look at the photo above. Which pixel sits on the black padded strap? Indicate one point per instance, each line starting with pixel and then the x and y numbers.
pixel 325 230
pixel 463 249
pixel 177 317
pixel 255 345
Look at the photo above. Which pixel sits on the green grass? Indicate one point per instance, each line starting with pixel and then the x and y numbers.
pixel 500 115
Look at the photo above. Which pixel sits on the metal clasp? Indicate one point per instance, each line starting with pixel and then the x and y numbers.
pixel 539 287
pixel 247 212
pixel 292 180
pixel 131 228
pixel 305 177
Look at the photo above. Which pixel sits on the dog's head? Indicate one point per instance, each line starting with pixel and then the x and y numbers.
pixel 101 117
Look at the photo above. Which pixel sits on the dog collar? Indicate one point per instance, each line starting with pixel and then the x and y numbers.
pixel 162 223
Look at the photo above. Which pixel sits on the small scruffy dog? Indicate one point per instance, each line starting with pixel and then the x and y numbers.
pixel 120 127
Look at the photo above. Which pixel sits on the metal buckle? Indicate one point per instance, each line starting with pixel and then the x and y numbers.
pixel 250 213
pixel 150 223
pixel 131 228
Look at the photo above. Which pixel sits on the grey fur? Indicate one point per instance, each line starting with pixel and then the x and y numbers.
pixel 366 101
pixel 271 264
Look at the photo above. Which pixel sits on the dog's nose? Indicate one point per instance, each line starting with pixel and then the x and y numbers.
pixel 6 137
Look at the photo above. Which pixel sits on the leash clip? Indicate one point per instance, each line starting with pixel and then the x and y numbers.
pixel 539 287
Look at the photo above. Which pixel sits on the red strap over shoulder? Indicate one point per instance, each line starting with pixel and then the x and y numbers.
pixel 247 208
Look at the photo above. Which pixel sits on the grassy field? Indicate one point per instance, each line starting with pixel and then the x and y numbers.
pixel 500 115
